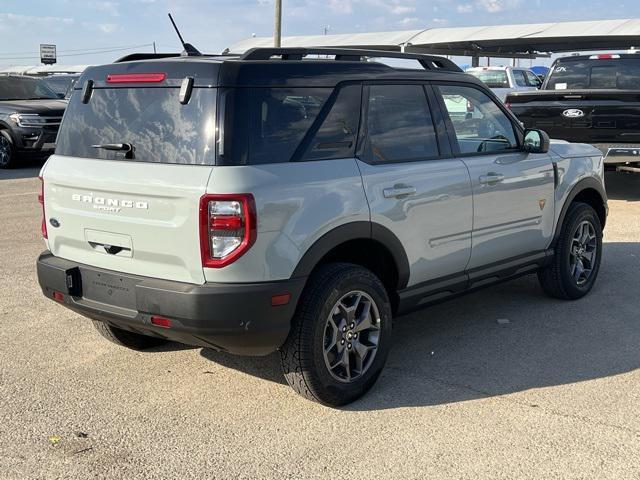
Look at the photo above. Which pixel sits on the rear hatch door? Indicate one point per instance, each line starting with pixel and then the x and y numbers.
pixel 130 167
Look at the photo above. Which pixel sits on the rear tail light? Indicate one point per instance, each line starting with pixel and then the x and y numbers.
pixel 227 228
pixel 136 77
pixel 58 297
pixel 43 225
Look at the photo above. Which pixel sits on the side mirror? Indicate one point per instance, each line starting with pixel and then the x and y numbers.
pixel 536 141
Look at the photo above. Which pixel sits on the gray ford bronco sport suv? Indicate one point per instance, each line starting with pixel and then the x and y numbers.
pixel 297 200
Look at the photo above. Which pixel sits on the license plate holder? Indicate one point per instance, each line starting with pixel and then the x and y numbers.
pixel 108 288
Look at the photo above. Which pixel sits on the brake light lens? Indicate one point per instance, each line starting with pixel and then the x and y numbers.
pixel 159 321
pixel 227 228
pixel 136 77
pixel 604 56
pixel 43 224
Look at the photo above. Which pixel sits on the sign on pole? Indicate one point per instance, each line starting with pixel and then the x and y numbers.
pixel 47 54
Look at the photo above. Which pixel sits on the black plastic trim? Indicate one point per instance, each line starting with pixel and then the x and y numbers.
pixel 355 231
pixel 434 291
pixel 584 184
pixel 214 315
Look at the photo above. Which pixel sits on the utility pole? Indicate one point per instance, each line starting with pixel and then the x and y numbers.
pixel 277 34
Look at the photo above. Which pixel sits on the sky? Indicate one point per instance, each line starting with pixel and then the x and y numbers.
pixel 94 31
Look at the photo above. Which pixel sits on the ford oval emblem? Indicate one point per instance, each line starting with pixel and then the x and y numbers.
pixel 573 113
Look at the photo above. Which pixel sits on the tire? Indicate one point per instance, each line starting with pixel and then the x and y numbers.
pixel 335 358
pixel 123 338
pixel 561 279
pixel 7 151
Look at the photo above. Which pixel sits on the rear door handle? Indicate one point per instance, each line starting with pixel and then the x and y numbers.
pixel 491 178
pixel 398 191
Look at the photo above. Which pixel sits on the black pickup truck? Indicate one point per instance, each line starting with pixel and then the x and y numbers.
pixel 30 115
pixel 591 99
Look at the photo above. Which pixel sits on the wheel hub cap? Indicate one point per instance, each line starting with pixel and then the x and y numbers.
pixel 351 336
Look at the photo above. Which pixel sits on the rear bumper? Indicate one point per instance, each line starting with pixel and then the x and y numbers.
pixel 619 153
pixel 237 318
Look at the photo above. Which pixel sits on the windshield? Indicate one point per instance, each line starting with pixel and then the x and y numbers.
pixel 623 73
pixel 151 122
pixel 24 88
pixel 61 84
pixel 492 78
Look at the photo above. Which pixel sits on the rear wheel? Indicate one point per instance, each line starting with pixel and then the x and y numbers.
pixel 577 256
pixel 123 338
pixel 7 151
pixel 340 335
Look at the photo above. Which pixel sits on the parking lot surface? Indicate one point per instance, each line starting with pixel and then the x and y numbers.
pixel 503 383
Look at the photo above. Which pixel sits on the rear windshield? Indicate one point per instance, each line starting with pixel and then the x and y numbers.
pixel 623 73
pixel 24 88
pixel 492 78
pixel 151 120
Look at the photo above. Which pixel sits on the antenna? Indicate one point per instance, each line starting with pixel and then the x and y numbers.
pixel 189 50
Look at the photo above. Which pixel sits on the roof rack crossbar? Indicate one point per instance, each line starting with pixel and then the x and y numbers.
pixel 428 62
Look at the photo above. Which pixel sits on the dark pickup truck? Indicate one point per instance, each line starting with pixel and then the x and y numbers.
pixel 30 115
pixel 591 99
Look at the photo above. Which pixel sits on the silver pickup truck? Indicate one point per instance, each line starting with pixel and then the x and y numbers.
pixel 505 80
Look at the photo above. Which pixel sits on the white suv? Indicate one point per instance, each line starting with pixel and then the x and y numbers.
pixel 505 80
pixel 277 202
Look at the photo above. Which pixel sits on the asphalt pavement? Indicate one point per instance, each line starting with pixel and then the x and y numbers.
pixel 501 384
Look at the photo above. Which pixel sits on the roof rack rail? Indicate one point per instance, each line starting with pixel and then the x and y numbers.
pixel 145 56
pixel 428 62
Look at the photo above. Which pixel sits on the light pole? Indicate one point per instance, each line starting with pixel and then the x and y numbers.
pixel 277 33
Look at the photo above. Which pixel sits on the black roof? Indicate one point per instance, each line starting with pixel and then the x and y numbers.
pixel 282 67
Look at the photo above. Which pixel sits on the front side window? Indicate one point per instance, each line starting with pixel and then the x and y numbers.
pixel 399 124
pixel 479 124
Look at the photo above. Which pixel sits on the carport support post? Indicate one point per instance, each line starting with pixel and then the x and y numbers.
pixel 475 61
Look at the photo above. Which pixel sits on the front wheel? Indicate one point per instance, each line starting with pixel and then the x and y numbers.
pixel 340 335
pixel 7 151
pixel 578 253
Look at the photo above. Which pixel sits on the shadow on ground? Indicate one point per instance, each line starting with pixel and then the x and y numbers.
pixel 27 169
pixel 459 350
pixel 623 186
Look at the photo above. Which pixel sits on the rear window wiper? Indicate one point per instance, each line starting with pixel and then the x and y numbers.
pixel 118 147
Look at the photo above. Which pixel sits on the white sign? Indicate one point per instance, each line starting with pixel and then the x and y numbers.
pixel 48 54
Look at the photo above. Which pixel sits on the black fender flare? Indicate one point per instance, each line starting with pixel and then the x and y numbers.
pixel 355 231
pixel 584 184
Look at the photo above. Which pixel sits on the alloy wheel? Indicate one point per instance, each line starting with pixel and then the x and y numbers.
pixel 351 336
pixel 583 252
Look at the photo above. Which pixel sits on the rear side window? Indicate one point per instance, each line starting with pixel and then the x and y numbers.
pixel 491 78
pixel 336 137
pixel 266 125
pixel 399 124
pixel 151 120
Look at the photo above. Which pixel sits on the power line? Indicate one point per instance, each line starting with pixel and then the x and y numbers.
pixel 84 52
pixel 75 50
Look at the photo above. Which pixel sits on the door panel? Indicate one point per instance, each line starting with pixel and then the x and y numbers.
pixel 513 191
pixel 432 219
pixel 513 196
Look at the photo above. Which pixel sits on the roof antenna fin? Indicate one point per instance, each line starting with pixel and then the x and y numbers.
pixel 189 50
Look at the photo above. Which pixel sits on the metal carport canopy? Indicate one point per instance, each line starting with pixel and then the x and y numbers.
pixel 526 40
